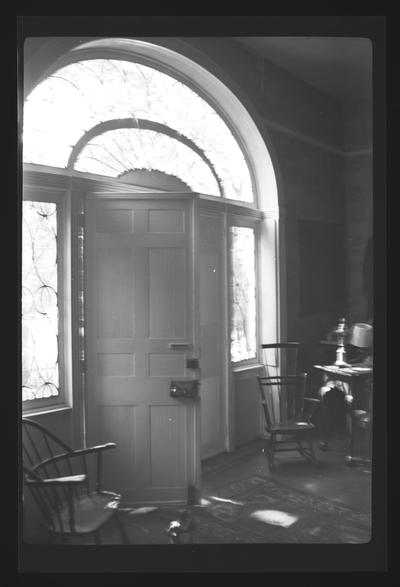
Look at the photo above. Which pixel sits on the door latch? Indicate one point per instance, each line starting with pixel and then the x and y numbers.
pixel 187 388
pixel 192 363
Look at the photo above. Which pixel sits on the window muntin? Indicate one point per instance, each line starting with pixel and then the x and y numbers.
pixel 81 95
pixel 242 282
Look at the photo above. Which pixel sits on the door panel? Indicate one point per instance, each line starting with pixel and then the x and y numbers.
pixel 211 297
pixel 139 300
pixel 115 287
pixel 168 425
pixel 167 293
pixel 167 364
pixel 119 424
pixel 115 365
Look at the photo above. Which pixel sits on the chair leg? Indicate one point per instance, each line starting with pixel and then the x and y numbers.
pixel 97 537
pixel 122 530
pixel 270 453
pixel 302 450
pixel 312 452
pixel 308 453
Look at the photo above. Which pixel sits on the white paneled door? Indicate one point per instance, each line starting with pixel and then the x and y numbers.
pixel 140 332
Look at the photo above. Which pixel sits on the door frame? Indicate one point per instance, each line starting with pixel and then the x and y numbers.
pixel 77 185
pixel 216 207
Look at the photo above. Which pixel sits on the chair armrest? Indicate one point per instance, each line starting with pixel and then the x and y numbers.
pixel 79 453
pixel 60 481
pixel 91 449
pixel 312 400
pixel 98 451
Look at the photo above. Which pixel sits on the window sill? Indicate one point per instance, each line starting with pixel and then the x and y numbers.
pixel 244 368
pixel 45 410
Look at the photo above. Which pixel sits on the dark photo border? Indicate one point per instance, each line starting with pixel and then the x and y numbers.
pixel 260 558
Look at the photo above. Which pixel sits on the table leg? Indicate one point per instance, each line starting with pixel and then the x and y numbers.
pixel 348 401
pixel 327 424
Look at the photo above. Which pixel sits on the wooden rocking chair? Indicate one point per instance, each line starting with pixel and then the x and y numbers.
pixel 287 422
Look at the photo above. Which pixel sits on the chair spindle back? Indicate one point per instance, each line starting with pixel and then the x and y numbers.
pixel 282 398
pixel 280 358
pixel 45 456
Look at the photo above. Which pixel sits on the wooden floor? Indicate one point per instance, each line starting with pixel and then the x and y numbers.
pixel 333 479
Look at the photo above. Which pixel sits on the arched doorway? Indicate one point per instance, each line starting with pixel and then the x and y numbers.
pixel 239 208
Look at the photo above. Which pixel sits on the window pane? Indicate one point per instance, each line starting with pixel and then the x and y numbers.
pixel 81 95
pixel 40 369
pixel 243 294
pixel 117 151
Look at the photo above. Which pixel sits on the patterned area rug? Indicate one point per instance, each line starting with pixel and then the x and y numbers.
pixel 254 510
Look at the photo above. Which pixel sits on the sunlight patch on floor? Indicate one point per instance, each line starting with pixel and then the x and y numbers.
pixel 204 502
pixel 213 497
pixel 274 517
pixel 136 511
pixel 312 486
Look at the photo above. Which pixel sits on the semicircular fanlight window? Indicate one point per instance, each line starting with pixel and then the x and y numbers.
pixel 115 152
pixel 79 96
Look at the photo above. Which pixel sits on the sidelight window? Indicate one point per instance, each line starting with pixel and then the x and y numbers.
pixel 243 293
pixel 43 340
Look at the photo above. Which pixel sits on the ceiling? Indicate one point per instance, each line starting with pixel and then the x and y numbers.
pixel 338 66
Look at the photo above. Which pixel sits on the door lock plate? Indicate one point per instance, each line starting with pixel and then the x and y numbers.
pixel 188 388
pixel 192 363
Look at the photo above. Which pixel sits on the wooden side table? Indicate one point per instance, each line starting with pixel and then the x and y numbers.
pixel 356 394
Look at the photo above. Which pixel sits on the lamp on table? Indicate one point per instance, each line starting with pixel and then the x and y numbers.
pixel 341 332
pixel 361 337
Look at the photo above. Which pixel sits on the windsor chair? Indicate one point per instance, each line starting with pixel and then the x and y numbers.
pixel 66 485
